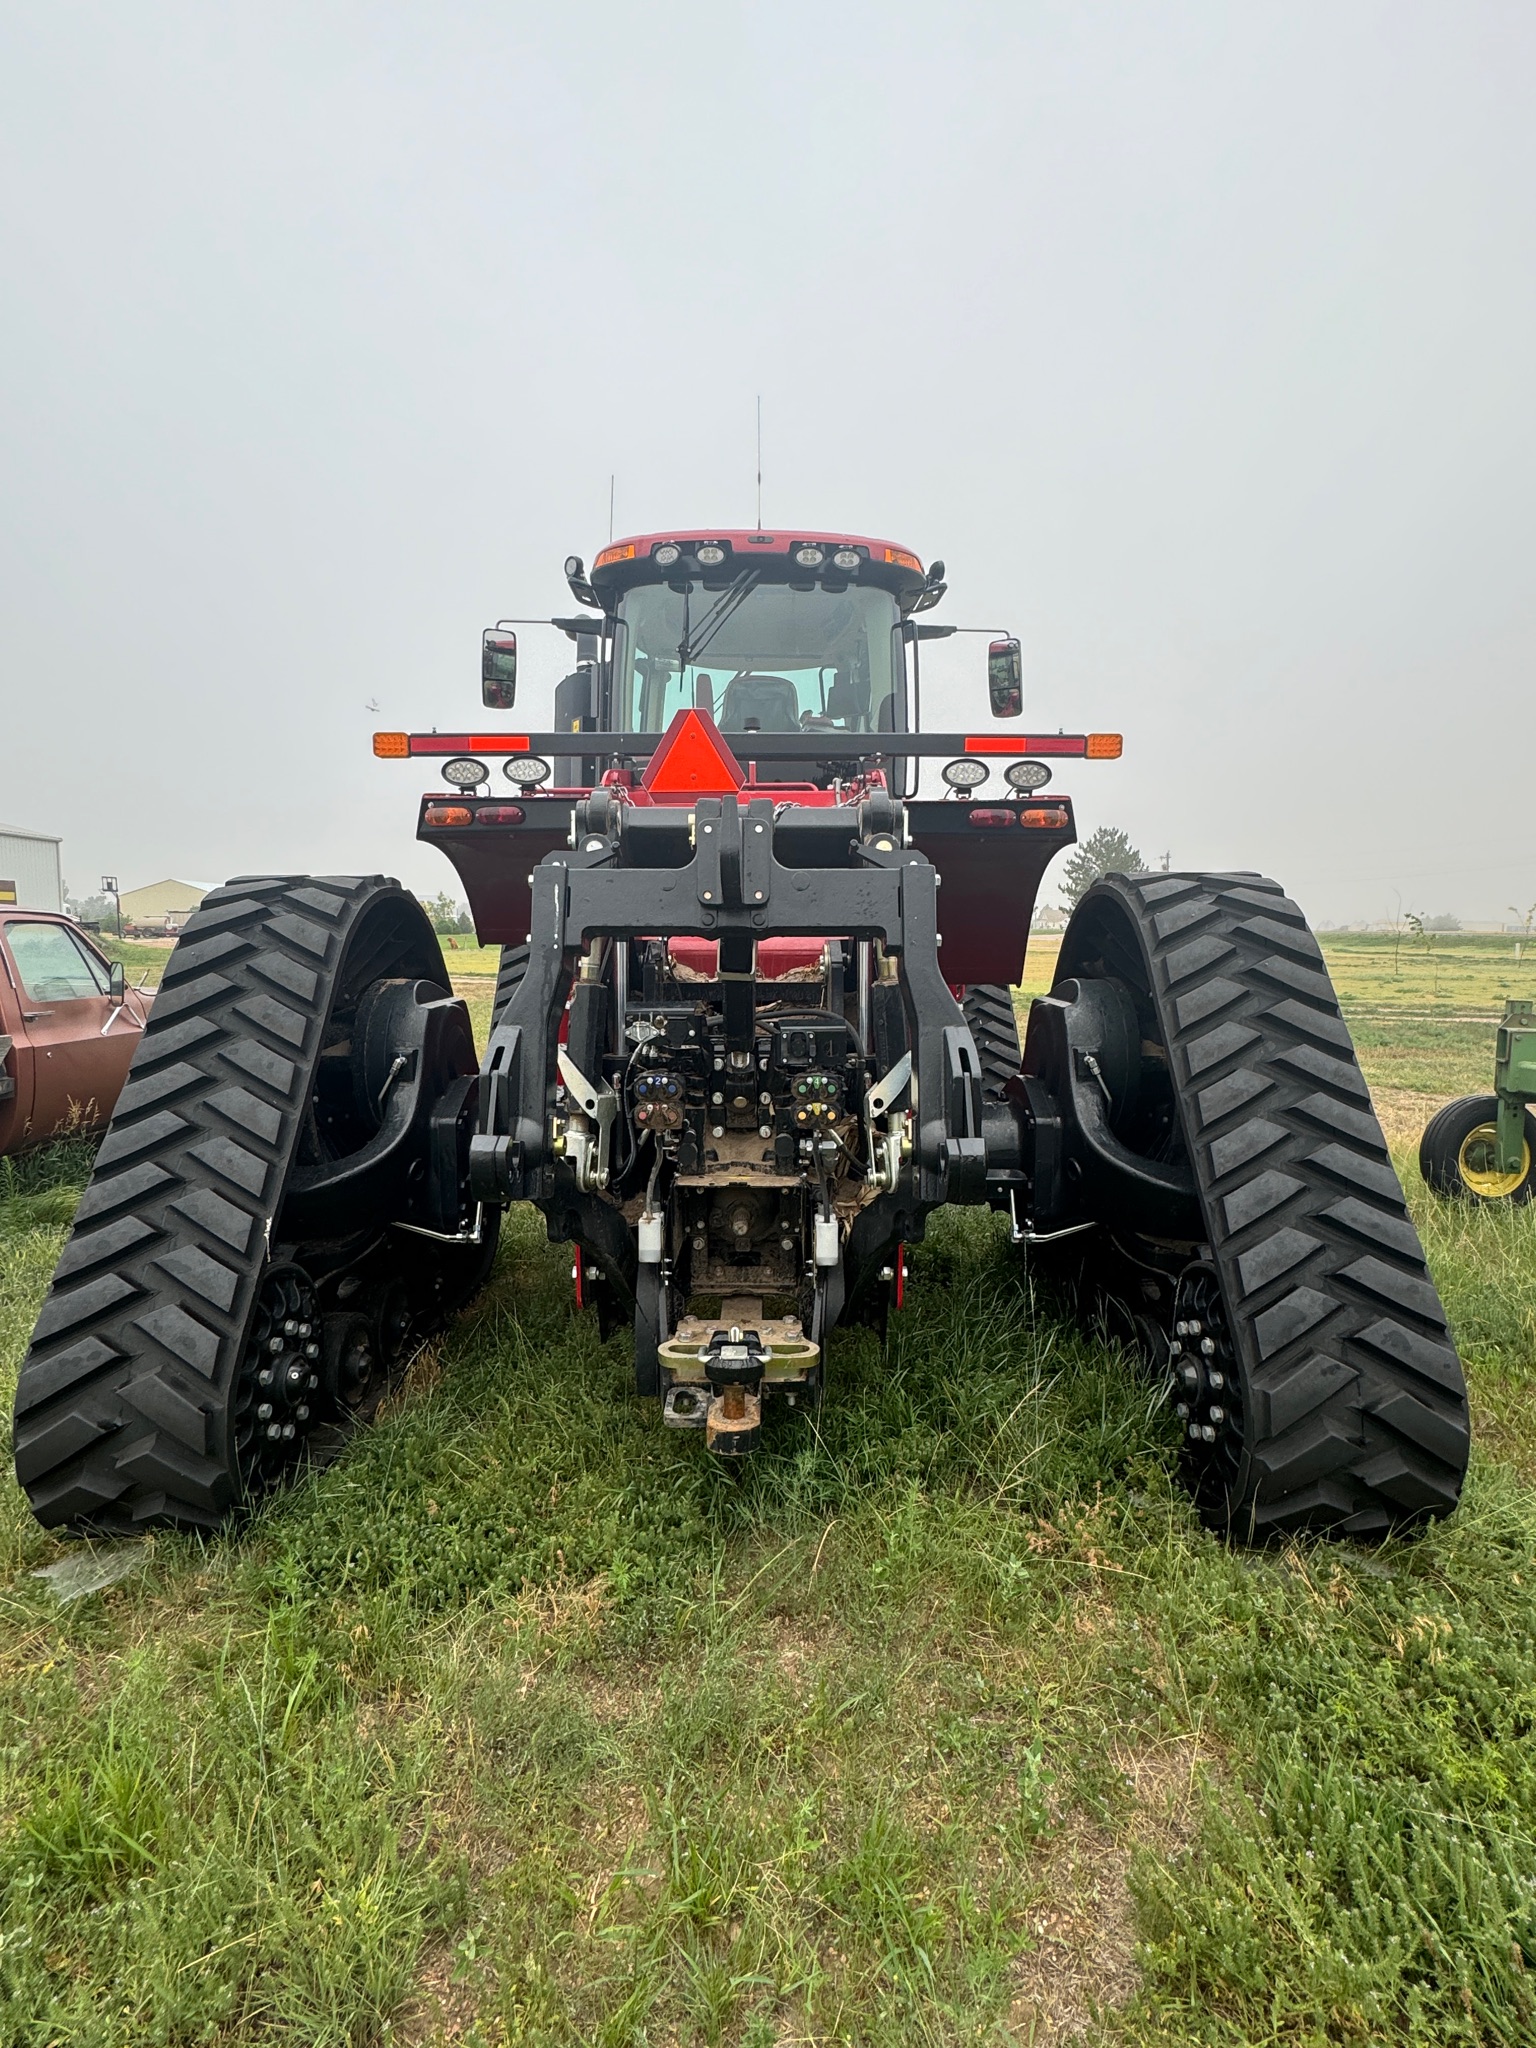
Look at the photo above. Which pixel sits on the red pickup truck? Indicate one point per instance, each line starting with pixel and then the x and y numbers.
pixel 68 1028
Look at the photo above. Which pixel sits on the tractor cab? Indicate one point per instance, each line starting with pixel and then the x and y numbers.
pixel 762 632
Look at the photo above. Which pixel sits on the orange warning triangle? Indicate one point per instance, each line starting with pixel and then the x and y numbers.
pixel 692 760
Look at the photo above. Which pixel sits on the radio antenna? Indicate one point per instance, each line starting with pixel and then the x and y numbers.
pixel 610 508
pixel 759 462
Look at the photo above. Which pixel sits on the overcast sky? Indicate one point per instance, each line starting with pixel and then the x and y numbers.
pixel 1199 339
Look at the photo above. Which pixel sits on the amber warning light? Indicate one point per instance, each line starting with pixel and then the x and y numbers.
pixel 400 746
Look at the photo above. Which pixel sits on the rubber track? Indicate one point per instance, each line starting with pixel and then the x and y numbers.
pixel 123 1403
pixel 1356 1408
pixel 513 966
pixel 994 1025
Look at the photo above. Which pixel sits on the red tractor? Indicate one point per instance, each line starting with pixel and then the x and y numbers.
pixel 752 1026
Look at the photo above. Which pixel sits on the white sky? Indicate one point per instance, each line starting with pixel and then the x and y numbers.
pixel 1199 339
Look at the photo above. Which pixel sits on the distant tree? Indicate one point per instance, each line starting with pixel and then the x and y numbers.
pixel 446 913
pixel 90 909
pixel 1444 921
pixel 1106 852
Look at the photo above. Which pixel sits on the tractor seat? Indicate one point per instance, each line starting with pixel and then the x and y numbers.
pixel 771 700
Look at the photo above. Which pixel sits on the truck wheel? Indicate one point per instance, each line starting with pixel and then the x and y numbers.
pixel 192 1341
pixel 1456 1153
pixel 995 1027
pixel 1306 1349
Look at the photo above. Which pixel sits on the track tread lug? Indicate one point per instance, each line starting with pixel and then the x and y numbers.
pixel 1281 1252
pixel 260 1063
pixel 171 1043
pixel 206 1276
pixel 191 995
pixel 1319 1027
pixel 63 1313
pixel 183 1336
pixel 106 1192
pixel 64 1437
pixel 289 975
pixel 1208 1000
pixel 128 1141
pixel 87 1248
pixel 1226 1042
pixel 48 1377
pixel 232 1226
pixel 302 932
pixel 1409 1293
pixel 1291 942
pixel 1186 961
pixel 1249 1142
pixel 1343 1076
pixel 1259 1198
pixel 249 1115
pixel 266 1013
pixel 1362 1220
pixel 202 954
pixel 153 1396
pixel 231 1162
pixel 1354 1169
pixel 154 1088
pixel 1231 1093
pixel 1318 1381
pixel 1184 917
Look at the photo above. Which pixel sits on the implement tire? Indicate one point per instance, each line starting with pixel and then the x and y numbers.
pixel 180 1325
pixel 1456 1153
pixel 1340 1403
pixel 989 1011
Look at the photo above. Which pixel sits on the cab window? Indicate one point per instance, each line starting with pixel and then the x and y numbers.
pixel 53 965
pixel 769 656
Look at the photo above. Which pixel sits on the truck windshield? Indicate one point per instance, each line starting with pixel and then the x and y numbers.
pixel 760 655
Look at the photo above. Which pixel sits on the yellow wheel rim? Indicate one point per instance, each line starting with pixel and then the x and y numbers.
pixel 1475 1162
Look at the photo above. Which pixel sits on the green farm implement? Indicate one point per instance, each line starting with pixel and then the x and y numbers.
pixel 1482 1146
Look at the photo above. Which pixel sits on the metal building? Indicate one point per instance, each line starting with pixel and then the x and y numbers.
pixel 167 903
pixel 30 877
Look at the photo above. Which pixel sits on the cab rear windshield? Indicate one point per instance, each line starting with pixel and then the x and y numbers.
pixel 764 656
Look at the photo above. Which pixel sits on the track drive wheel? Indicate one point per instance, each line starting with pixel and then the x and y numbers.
pixel 1457 1153
pixel 219 1300
pixel 1305 1347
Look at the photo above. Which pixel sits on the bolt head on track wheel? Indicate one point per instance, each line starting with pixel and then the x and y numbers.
pixel 277 1394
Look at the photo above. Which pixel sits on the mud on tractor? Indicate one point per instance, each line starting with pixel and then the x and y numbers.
pixel 752 1026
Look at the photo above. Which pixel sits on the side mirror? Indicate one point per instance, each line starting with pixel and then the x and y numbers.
pixel 1005 678
pixel 498 670
pixel 117 984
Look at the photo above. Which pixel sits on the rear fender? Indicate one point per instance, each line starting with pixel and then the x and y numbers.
pixel 1083 1045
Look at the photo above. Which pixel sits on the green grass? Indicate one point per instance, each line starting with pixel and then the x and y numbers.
pixel 942 1721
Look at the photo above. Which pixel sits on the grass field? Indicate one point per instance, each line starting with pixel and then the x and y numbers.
pixel 942 1722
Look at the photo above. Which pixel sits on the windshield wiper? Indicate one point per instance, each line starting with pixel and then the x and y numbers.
pixel 694 642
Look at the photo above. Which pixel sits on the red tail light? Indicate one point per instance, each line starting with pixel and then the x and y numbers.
pixel 980 815
pixel 500 814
